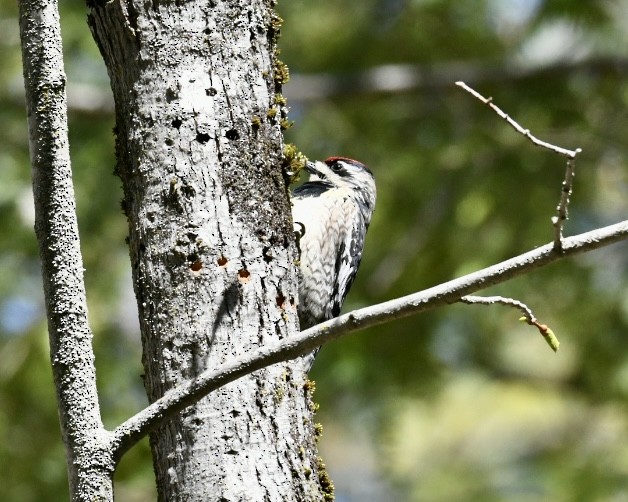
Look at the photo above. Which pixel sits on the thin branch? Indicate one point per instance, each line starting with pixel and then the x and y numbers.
pixel 562 213
pixel 526 132
pixel 501 300
pixel 558 221
pixel 56 228
pixel 131 431
pixel 528 316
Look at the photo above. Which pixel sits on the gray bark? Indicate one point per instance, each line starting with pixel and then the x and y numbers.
pixel 211 241
pixel 88 452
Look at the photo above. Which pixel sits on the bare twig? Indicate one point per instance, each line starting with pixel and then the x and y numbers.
pixel 501 300
pixel 528 316
pixel 129 432
pixel 567 186
pixel 526 132
pixel 563 205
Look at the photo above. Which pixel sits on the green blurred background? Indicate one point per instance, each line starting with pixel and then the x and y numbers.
pixel 464 403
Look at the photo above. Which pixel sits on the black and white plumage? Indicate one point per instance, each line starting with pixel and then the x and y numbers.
pixel 334 208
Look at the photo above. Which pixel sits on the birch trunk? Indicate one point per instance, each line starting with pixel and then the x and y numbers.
pixel 211 245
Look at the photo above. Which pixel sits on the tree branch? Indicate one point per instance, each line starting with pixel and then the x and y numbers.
pixel 562 214
pixel 128 433
pixel 567 185
pixel 528 316
pixel 571 154
pixel 56 228
pixel 500 300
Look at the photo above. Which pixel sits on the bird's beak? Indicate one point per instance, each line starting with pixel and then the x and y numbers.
pixel 312 169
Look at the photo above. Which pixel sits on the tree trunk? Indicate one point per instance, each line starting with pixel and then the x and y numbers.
pixel 89 461
pixel 199 153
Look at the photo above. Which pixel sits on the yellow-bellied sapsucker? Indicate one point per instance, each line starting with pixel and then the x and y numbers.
pixel 334 209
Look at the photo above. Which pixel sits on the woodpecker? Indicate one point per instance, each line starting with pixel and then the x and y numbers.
pixel 332 213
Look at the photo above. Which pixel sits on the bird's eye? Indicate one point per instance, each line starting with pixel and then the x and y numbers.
pixel 336 166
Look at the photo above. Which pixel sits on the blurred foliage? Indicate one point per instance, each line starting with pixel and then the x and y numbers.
pixel 464 403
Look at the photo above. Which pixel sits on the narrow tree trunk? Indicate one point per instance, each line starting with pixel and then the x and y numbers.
pixel 87 444
pixel 199 155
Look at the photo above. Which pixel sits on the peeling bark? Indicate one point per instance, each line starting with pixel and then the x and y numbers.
pixel 211 241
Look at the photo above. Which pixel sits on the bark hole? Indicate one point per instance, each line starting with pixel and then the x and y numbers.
pixel 232 134
pixel 281 300
pixel 243 275
pixel 171 95
pixel 202 137
pixel 267 254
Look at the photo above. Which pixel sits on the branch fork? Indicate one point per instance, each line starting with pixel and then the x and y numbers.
pixel 561 216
